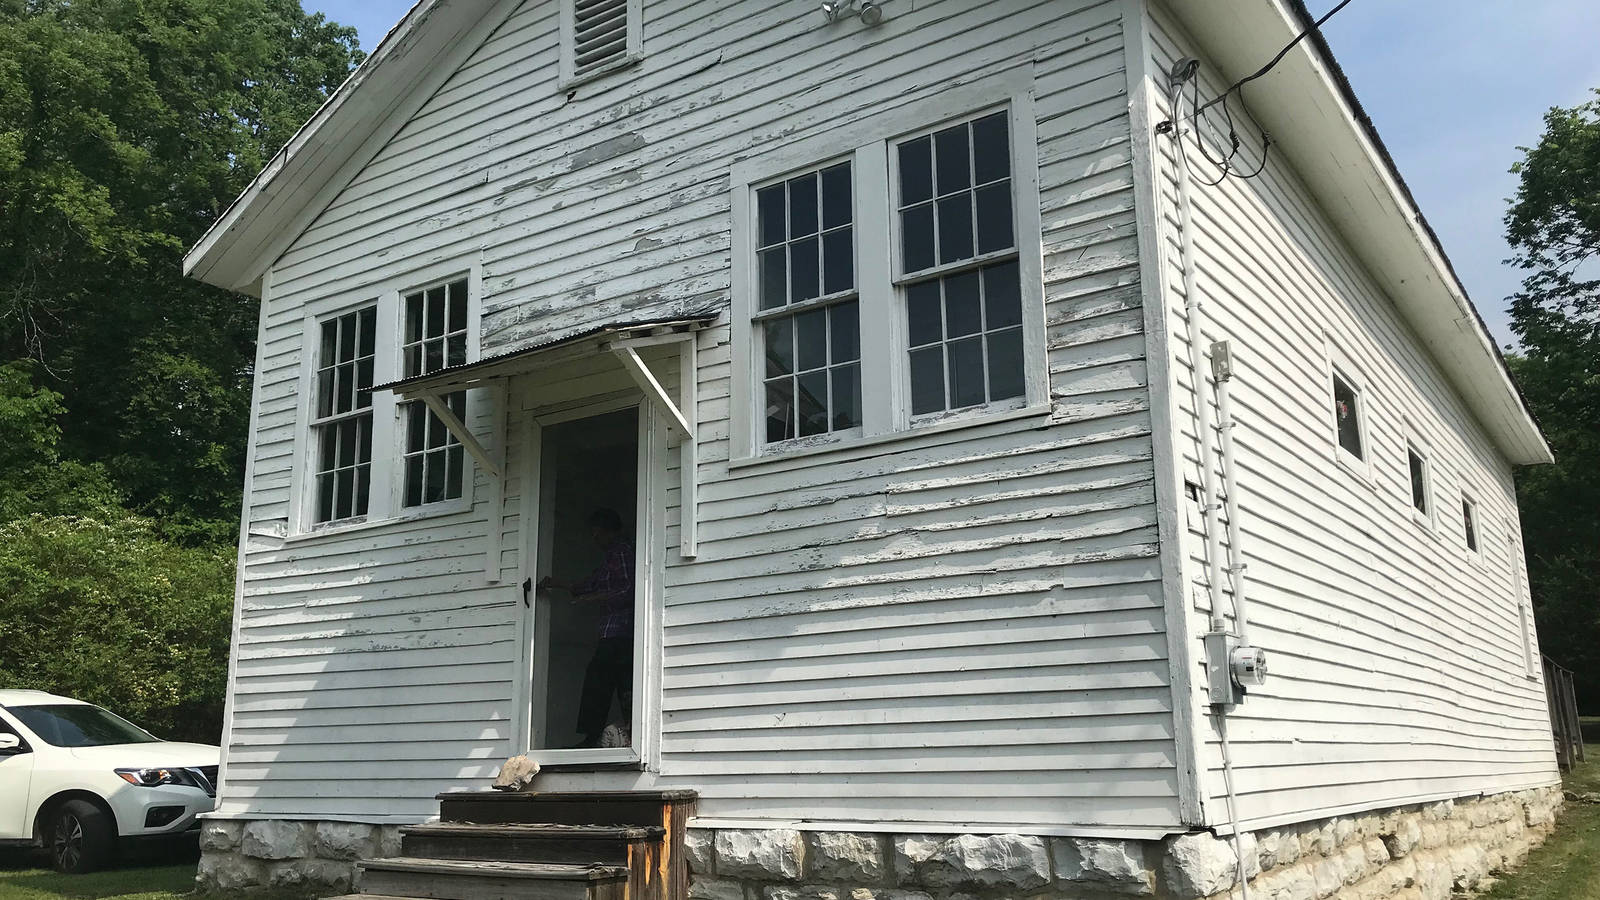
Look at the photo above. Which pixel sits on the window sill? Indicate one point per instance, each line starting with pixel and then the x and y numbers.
pixel 1355 466
pixel 870 442
pixel 345 528
pixel 627 61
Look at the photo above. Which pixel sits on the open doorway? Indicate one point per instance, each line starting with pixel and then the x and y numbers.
pixel 585 661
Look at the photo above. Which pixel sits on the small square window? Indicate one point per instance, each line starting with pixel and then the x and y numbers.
pixel 1419 479
pixel 1347 414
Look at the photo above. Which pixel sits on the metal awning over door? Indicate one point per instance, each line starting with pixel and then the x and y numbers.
pixel 623 339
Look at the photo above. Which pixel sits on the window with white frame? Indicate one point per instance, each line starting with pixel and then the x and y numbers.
pixel 1469 524
pixel 1348 416
pixel 435 338
pixel 1421 490
pixel 1524 613
pixel 890 285
pixel 958 265
pixel 342 424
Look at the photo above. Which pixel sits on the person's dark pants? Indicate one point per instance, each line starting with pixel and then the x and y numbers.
pixel 610 674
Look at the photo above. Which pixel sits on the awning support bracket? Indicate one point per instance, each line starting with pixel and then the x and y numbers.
pixel 455 426
pixel 681 419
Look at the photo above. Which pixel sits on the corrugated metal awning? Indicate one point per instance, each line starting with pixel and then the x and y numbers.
pixel 515 361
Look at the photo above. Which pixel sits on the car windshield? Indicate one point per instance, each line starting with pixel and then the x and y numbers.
pixel 80 725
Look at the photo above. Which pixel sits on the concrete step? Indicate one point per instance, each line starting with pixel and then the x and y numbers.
pixel 447 879
pixel 658 807
pixel 610 845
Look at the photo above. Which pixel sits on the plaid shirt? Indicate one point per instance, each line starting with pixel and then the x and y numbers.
pixel 613 581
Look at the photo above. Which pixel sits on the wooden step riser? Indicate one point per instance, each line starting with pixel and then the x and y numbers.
pixel 552 812
pixel 520 849
pixel 485 887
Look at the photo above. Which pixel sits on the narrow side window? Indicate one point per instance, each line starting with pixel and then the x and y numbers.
pixel 1469 523
pixel 435 337
pixel 342 428
pixel 1347 413
pixel 1418 466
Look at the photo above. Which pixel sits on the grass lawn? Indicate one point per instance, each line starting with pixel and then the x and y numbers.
pixel 156 882
pixel 1567 867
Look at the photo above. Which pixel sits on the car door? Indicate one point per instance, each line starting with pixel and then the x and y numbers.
pixel 16 771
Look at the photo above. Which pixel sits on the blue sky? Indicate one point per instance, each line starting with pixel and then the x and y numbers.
pixel 1453 86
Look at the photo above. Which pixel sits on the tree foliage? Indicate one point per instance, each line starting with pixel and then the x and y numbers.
pixel 1554 226
pixel 126 127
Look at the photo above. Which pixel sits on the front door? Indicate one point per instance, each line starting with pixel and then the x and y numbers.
pixel 588 604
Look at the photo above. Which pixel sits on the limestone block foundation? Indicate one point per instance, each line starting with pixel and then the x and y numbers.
pixel 1426 852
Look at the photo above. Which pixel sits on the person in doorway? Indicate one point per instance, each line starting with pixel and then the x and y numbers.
pixel 610 671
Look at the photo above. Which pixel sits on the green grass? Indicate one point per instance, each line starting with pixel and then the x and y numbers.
pixel 1567 867
pixel 163 882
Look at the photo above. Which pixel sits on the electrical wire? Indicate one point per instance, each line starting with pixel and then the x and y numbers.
pixel 1315 26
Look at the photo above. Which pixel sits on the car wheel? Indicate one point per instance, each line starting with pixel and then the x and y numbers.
pixel 80 837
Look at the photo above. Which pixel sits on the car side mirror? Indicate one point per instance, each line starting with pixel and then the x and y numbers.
pixel 11 745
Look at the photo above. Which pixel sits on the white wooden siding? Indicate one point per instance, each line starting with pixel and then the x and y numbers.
pixel 962 628
pixel 1396 661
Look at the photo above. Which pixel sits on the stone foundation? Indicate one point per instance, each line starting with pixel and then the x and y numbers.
pixel 1422 852
pixel 311 858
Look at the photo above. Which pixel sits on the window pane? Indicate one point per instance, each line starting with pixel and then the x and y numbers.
pixel 995 230
pixel 770 215
pixel 927 380
pixel 836 206
pixel 458 306
pixel 438 435
pixel 416 426
pixel 774 278
pixel 805 278
pixel 1005 364
pixel 991 149
pixel 1419 486
pixel 369 331
pixel 846 397
pixel 779 341
pixel 1347 414
pixel 955 228
pixel 414 481
pixel 328 456
pixel 433 478
pixel 962 312
pixel 916 226
pixel 363 489
pixel 966 373
pixel 916 171
pixel 364 384
pixel 926 323
pixel 344 389
pixel 455 465
pixel 950 159
pixel 811 333
pixel 780 409
pixel 344 494
pixel 325 498
pixel 435 322
pixel 455 350
pixel 324 393
pixel 433 355
pixel 1002 295
pixel 1470 526
pixel 838 261
pixel 364 439
pixel 347 443
pixel 802 206
pixel 413 318
pixel 413 360
pixel 845 327
pixel 330 344
pixel 813 403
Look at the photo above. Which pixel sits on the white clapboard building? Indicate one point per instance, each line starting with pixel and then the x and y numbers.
pixel 1005 498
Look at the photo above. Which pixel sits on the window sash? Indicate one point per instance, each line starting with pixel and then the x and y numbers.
pixel 432 461
pixel 342 438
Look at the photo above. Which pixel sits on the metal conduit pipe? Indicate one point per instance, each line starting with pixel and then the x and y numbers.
pixel 1222 366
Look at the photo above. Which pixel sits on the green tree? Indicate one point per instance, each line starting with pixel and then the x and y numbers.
pixel 1554 226
pixel 126 127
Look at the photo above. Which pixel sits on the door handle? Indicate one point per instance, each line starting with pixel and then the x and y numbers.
pixel 527 588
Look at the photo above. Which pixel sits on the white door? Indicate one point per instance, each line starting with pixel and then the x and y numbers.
pixel 16 769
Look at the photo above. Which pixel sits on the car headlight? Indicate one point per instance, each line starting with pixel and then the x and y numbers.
pixel 155 777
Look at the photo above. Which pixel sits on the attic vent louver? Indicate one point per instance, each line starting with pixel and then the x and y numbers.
pixel 601 34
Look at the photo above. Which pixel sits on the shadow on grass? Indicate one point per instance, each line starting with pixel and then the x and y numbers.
pixel 154 871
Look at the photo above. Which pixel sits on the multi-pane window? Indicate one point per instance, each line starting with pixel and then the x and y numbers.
pixel 343 423
pixel 1347 416
pixel 807 311
pixel 959 266
pixel 435 337
pixel 1418 466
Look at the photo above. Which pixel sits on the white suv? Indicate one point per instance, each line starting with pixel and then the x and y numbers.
pixel 82 782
